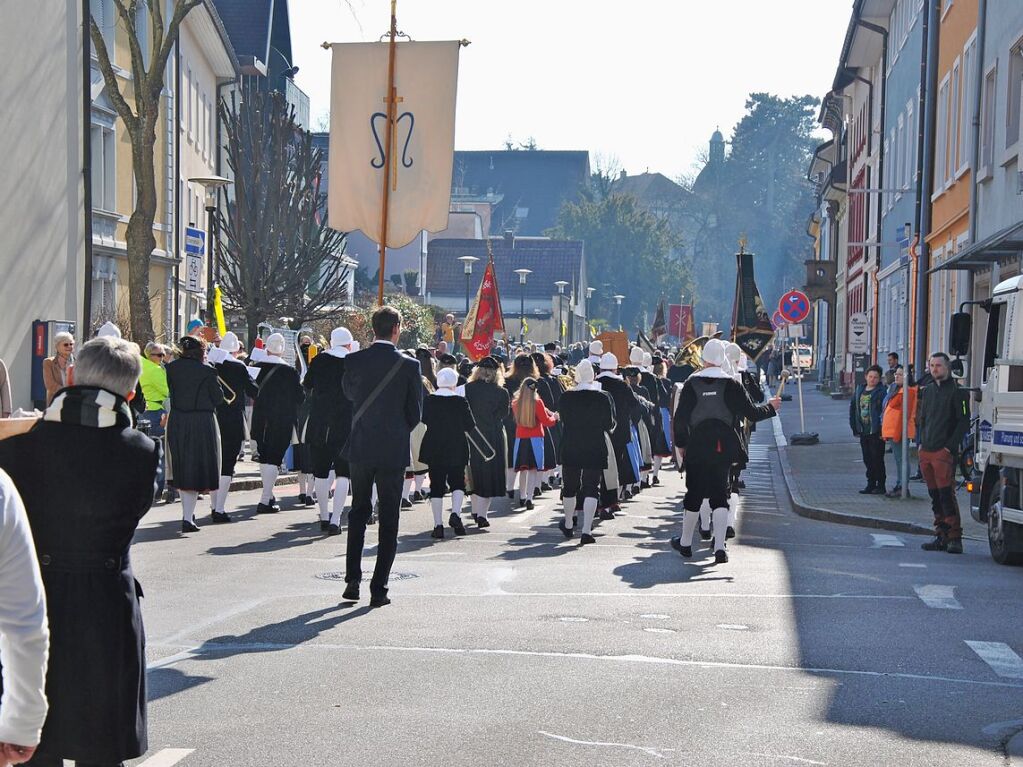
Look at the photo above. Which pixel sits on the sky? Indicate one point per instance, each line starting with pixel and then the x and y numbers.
pixel 641 84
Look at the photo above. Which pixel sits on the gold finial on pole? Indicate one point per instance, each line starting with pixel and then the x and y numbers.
pixel 325 46
pixel 743 242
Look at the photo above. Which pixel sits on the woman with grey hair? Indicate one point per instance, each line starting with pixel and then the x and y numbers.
pixel 57 367
pixel 95 681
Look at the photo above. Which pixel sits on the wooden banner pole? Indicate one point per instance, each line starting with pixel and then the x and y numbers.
pixel 392 104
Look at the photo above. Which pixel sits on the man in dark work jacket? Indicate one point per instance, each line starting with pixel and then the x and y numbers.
pixel 386 391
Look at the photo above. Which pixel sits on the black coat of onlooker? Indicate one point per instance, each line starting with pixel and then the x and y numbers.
pixel 83 528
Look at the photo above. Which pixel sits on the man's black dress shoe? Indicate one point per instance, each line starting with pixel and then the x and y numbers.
pixel 351 593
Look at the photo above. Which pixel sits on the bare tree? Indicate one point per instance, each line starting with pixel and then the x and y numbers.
pixel 147 82
pixel 277 257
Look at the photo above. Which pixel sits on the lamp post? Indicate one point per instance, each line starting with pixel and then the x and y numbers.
pixel 523 273
pixel 210 185
pixel 589 297
pixel 618 300
pixel 467 261
pixel 561 284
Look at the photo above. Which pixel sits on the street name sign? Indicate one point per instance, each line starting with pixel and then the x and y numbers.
pixel 195 247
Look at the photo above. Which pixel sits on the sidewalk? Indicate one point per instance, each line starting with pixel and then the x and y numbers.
pixel 824 479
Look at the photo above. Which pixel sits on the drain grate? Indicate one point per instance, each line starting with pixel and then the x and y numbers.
pixel 340 576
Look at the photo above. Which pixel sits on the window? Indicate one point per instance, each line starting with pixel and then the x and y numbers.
pixel 900 166
pixel 142 29
pixel 200 129
pixel 103 12
pixel 886 181
pixel 965 148
pixel 954 121
pixel 104 177
pixel 182 107
pixel 941 137
pixel 912 137
pixel 189 90
pixel 1012 105
pixel 987 129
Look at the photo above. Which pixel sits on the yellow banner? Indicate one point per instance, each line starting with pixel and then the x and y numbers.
pixel 218 311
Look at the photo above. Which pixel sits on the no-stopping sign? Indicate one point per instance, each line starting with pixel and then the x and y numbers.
pixel 794 306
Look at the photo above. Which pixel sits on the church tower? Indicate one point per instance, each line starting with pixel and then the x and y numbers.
pixel 717 149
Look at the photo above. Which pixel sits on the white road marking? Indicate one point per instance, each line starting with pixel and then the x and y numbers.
pixel 434 554
pixel 940 597
pixel 656 753
pixel 573 619
pixel 213 648
pixel 733 626
pixel 912 564
pixel 882 541
pixel 1000 657
pixel 655 616
pixel 167 757
pixel 656 630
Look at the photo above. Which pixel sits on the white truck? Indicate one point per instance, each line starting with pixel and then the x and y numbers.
pixel 996 481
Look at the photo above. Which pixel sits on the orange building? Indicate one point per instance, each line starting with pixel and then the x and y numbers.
pixel 950 195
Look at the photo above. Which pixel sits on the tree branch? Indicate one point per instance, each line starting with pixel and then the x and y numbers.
pixel 138 66
pixel 181 9
pixel 106 68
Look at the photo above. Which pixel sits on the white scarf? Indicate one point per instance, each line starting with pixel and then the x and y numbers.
pixel 711 372
pixel 338 351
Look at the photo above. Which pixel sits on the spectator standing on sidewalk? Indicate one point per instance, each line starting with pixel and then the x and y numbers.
pixel 865 411
pixel 891 422
pixel 942 418
pixel 893 366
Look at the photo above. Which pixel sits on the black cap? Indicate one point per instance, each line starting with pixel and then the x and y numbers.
pixel 631 371
pixel 550 346
pixel 447 359
pixel 489 363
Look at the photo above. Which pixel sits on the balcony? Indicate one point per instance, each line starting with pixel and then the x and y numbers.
pixel 297 98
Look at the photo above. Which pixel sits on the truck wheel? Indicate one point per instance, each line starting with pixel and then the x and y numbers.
pixel 1003 538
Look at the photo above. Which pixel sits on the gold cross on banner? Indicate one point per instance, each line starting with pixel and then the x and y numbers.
pixel 392 149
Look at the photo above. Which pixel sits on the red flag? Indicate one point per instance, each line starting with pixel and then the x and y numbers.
pixel 484 318
pixel 681 323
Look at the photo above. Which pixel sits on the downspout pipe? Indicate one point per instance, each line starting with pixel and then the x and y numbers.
pixel 978 85
pixel 928 93
pixel 178 228
pixel 880 164
pixel 86 329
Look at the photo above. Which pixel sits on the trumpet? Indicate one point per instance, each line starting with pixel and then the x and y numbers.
pixel 228 391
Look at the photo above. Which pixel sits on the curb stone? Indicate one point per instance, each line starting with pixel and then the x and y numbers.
pixel 803 509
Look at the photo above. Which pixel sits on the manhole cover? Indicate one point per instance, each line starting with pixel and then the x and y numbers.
pixel 339 576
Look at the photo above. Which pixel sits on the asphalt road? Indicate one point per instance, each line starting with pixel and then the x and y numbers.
pixel 817 644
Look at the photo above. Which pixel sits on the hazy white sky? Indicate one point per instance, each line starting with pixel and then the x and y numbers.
pixel 642 81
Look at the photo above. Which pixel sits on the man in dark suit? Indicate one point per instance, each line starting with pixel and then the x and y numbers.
pixel 386 391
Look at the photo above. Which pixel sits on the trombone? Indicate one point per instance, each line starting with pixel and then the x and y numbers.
pixel 229 390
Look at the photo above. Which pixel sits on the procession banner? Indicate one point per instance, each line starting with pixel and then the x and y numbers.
pixel 751 324
pixel 484 318
pixel 659 327
pixel 421 154
pixel 681 322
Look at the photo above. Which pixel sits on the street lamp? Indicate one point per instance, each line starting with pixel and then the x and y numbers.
pixel 523 273
pixel 467 261
pixel 210 185
pixel 618 300
pixel 561 284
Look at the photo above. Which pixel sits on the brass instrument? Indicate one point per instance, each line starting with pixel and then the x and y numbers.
pixel 229 390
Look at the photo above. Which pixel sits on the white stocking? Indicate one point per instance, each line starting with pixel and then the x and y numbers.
pixel 406 489
pixel 457 499
pixel 268 474
pixel 509 477
pixel 589 509
pixel 689 521
pixel 658 460
pixel 188 500
pixel 733 509
pixel 340 496
pixel 534 482
pixel 720 528
pixel 705 516
pixel 569 503
pixel 323 497
pixel 479 506
pixel 420 479
pixel 524 485
pixel 438 511
pixel 225 488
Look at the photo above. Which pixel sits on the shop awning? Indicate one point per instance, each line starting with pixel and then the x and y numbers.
pixel 1004 244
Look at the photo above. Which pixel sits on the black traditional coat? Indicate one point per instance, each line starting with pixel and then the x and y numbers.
pixel 83 527
pixel 586 414
pixel 231 412
pixel 447 419
pixel 193 435
pixel 490 405
pixel 330 412
pixel 275 413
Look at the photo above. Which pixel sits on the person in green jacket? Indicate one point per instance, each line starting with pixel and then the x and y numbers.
pixel 156 392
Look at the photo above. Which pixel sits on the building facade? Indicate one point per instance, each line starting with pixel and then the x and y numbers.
pixel 42 141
